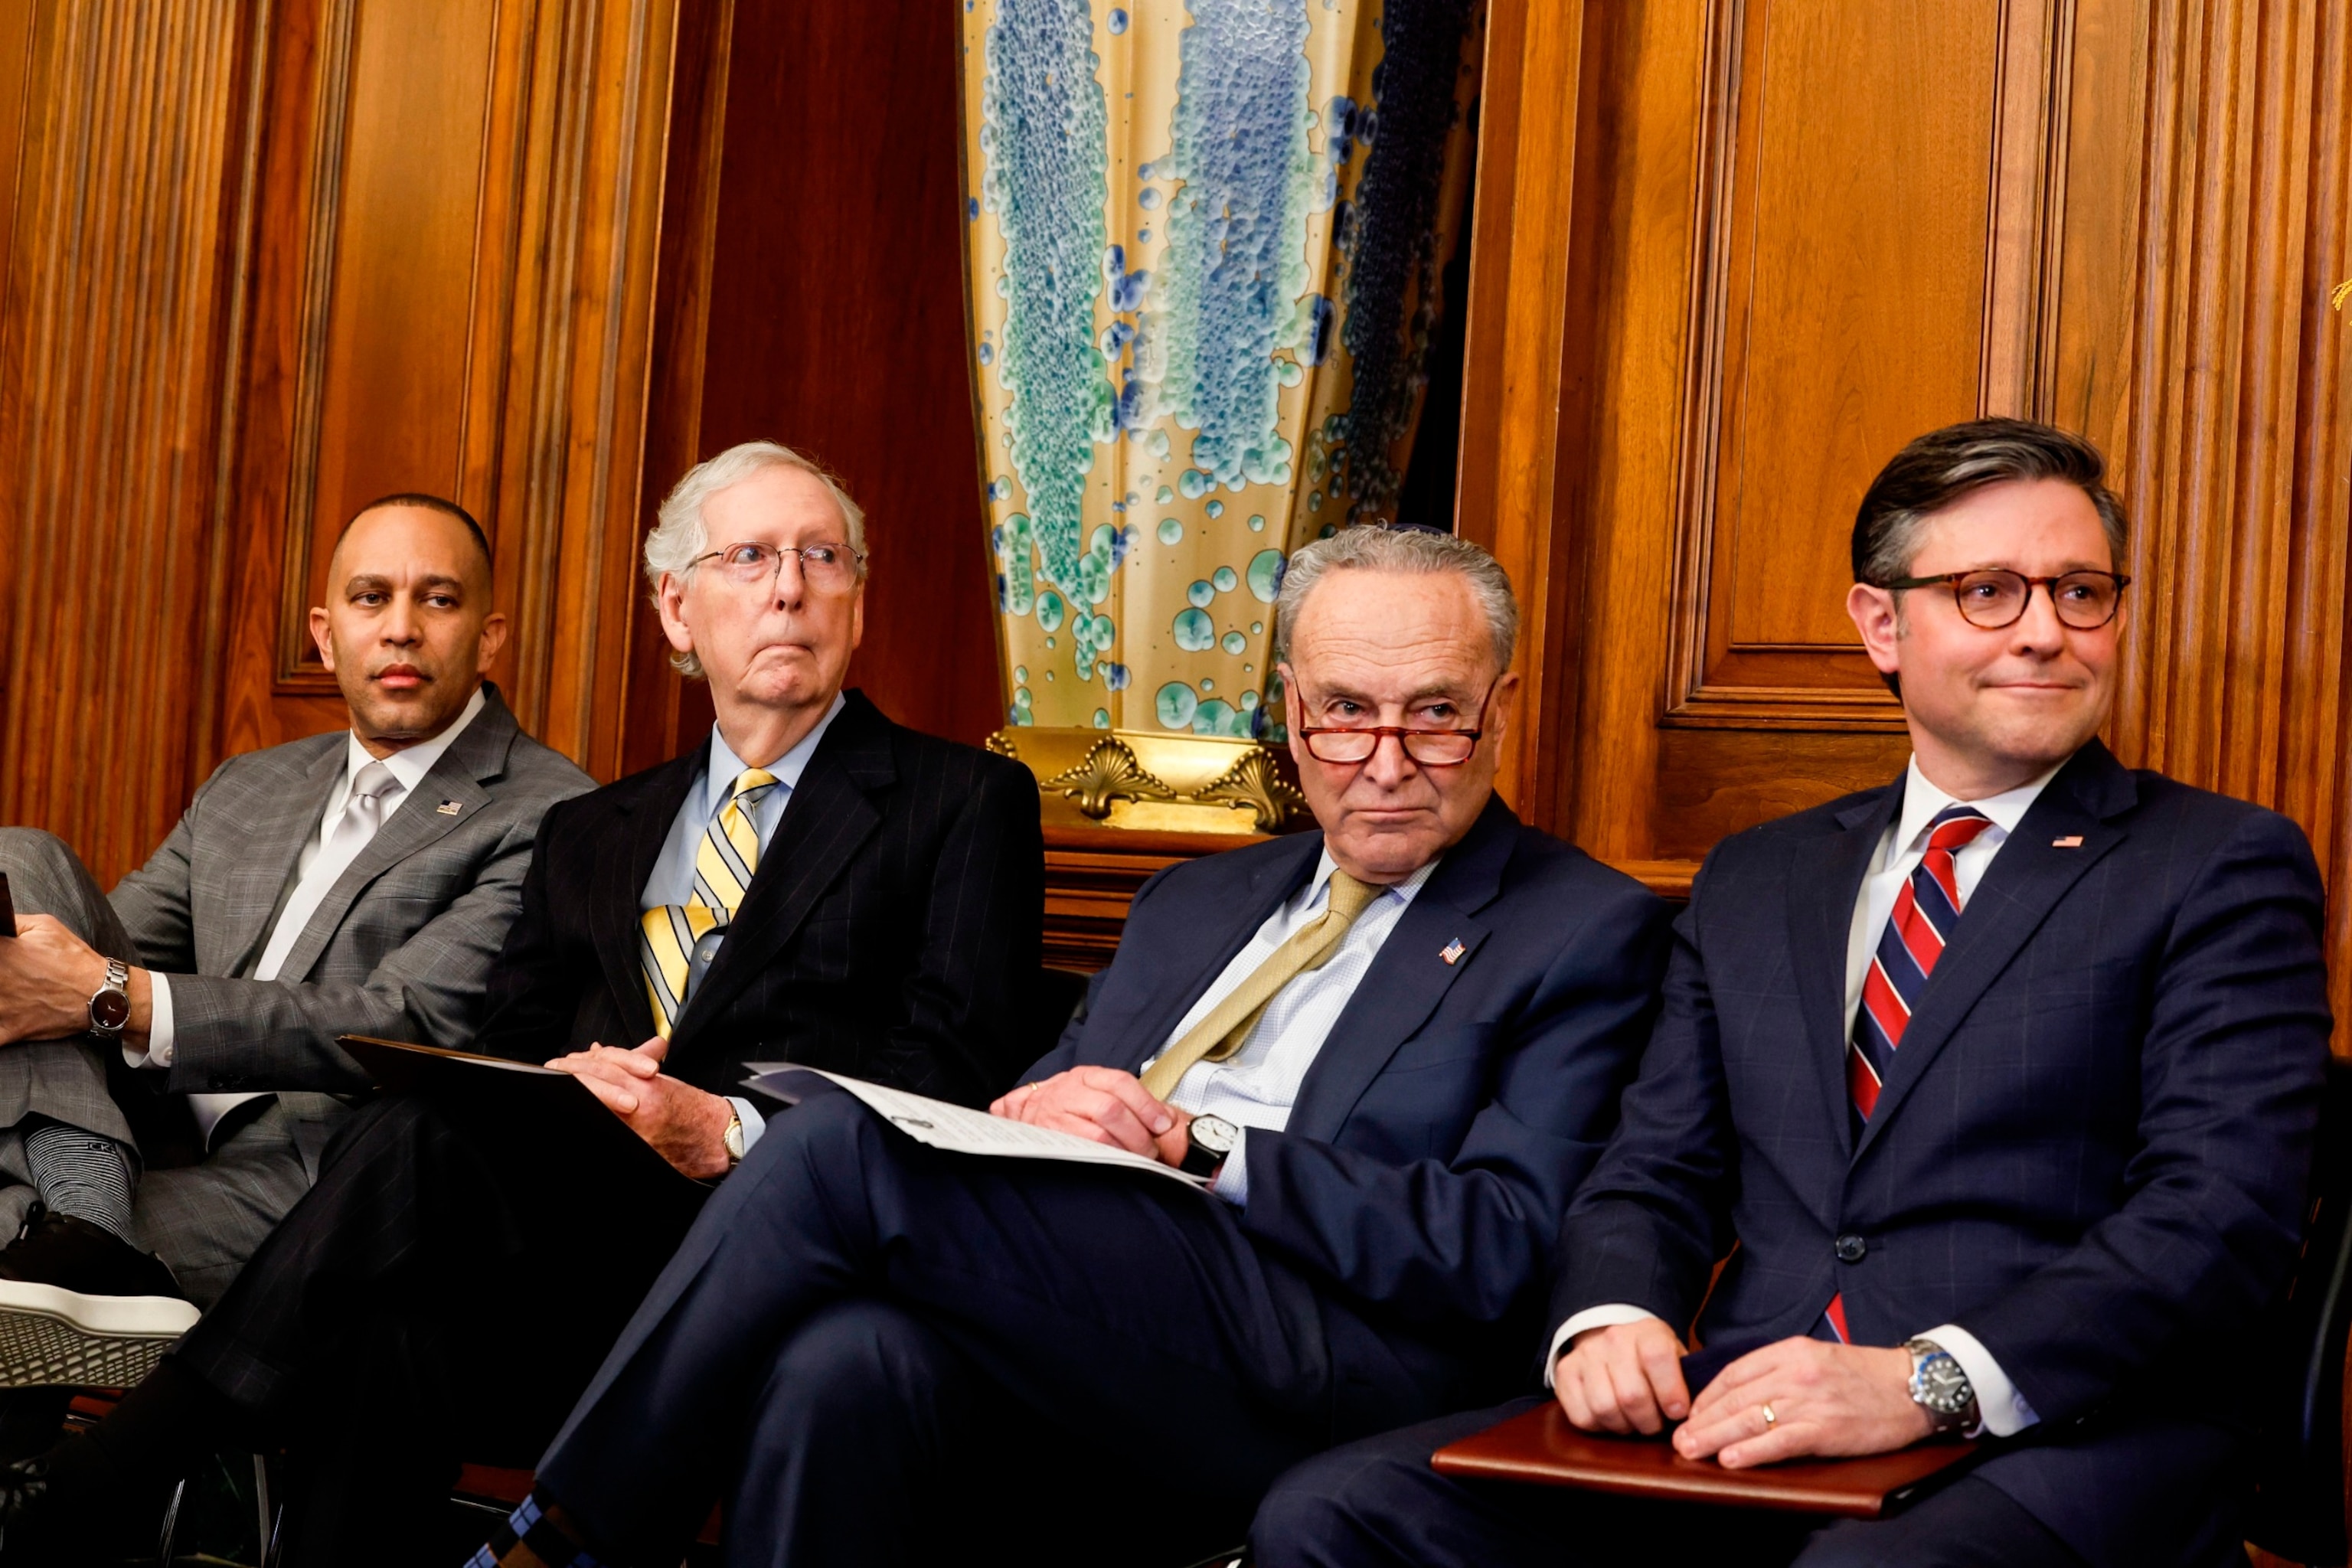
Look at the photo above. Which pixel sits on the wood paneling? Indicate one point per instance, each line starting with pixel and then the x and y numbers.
pixel 120 297
pixel 452 293
pixel 1790 235
pixel 827 313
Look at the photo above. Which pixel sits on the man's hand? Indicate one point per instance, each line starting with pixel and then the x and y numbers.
pixel 686 1126
pixel 1102 1104
pixel 47 975
pixel 1627 1377
pixel 1829 1400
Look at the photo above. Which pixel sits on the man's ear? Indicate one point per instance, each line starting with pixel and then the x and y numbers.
pixel 494 638
pixel 1503 705
pixel 319 634
pixel 1879 619
pixel 670 598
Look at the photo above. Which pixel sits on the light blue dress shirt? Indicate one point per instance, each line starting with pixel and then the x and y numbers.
pixel 673 874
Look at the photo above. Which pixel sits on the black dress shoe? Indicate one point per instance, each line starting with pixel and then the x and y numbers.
pixel 80 1306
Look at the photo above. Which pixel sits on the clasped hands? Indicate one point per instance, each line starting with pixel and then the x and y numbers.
pixel 1105 1106
pixel 1796 1398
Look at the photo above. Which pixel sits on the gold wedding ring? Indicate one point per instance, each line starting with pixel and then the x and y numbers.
pixel 1770 1420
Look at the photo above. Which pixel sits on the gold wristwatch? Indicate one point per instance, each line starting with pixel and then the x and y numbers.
pixel 734 1139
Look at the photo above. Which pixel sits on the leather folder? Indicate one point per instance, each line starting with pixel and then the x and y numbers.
pixel 1539 1446
pixel 511 1101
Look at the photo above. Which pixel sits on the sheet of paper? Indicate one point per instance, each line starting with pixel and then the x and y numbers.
pixel 958 1128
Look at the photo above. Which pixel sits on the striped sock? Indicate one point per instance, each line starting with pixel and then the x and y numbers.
pixel 80 1174
pixel 529 1538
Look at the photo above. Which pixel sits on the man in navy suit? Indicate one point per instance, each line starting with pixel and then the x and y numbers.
pixel 1396 1044
pixel 2003 1078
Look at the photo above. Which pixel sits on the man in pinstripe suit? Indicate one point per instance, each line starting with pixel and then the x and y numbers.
pixel 354 882
pixel 812 883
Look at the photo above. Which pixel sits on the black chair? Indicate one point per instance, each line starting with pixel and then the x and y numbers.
pixel 1052 1006
pixel 2299 1499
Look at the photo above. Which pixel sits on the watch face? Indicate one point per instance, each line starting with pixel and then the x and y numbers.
pixel 1943 1386
pixel 110 1010
pixel 1216 1135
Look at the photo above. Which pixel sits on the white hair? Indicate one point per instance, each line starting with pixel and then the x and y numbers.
pixel 1417 552
pixel 680 537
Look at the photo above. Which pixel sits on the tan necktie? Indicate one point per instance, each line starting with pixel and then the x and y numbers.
pixel 1229 1023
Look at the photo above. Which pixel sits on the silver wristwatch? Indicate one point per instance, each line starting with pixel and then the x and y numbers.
pixel 109 1005
pixel 1939 1387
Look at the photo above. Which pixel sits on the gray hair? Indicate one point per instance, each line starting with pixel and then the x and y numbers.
pixel 680 537
pixel 1417 551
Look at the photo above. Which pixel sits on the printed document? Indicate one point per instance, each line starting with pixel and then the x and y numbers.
pixel 958 1128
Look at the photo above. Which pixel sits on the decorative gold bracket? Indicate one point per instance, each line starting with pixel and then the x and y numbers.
pixel 1178 782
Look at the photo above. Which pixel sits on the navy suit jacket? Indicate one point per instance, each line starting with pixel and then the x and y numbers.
pixel 1455 1106
pixel 2091 1152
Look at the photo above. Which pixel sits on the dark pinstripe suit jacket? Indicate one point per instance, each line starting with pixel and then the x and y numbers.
pixel 891 931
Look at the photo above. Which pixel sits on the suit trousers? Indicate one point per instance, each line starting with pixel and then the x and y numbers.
pixel 203 1219
pixel 870 1351
pixel 1377 1504
pixel 441 1295
pixel 63 1081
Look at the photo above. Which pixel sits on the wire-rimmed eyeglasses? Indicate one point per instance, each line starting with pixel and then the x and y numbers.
pixel 825 568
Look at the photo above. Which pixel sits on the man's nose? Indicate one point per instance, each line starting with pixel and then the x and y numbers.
pixel 2039 629
pixel 1389 766
pixel 791 583
pixel 400 622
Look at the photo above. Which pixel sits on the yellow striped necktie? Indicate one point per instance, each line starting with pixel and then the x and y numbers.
pixel 723 866
pixel 1229 1023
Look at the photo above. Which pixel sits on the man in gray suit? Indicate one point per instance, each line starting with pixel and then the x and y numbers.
pixel 358 882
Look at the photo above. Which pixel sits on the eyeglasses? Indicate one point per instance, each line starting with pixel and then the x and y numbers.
pixel 825 568
pixel 1430 748
pixel 1994 598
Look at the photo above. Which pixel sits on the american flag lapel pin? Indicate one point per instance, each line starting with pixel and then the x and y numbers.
pixel 1453 950
pixel 2072 841
pixel 451 809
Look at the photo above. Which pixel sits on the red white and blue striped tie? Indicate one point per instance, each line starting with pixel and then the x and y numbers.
pixel 1925 912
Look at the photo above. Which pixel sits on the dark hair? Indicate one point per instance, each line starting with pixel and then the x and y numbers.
pixel 430 503
pixel 1943 465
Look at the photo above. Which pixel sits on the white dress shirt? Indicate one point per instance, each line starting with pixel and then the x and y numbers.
pixel 2001 1406
pixel 325 858
pixel 672 882
pixel 1258 1084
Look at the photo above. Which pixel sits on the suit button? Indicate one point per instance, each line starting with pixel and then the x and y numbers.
pixel 1850 1247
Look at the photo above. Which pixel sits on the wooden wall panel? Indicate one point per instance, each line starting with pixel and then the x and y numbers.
pixel 452 293
pixel 833 321
pixel 119 302
pixel 2123 216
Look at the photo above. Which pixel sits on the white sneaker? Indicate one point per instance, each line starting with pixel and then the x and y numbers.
pixel 50 1336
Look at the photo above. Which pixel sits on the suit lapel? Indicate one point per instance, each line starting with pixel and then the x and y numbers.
pixel 477 755
pixel 617 889
pixel 1821 891
pixel 828 818
pixel 1410 975
pixel 262 873
pixel 2033 870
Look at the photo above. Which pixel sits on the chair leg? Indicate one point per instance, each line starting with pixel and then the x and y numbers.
pixel 261 1510
pixel 171 1527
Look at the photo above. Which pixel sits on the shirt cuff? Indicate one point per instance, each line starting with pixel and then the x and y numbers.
pixel 2001 1409
pixel 158 1053
pixel 753 1122
pixel 1601 1317
pixel 1232 1180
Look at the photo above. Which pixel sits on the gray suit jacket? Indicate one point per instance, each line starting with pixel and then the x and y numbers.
pixel 401 946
